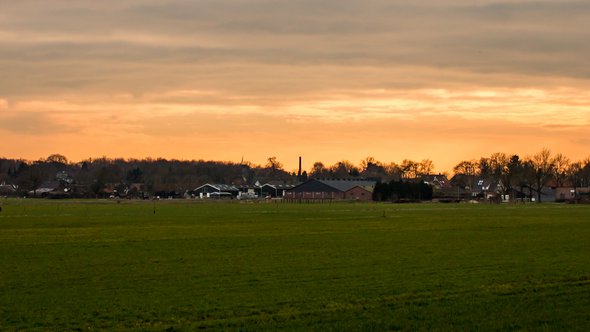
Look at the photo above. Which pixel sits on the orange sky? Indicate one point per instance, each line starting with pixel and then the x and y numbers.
pixel 447 80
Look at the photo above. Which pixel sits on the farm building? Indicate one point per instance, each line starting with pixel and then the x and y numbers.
pixel 274 190
pixel 333 189
pixel 216 190
pixel 8 189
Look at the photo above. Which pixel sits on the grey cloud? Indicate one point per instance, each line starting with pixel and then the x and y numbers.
pixel 540 38
pixel 32 123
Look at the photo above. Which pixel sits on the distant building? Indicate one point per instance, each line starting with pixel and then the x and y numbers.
pixel 569 193
pixel 436 181
pixel 216 190
pixel 274 190
pixel 352 189
pixel 8 189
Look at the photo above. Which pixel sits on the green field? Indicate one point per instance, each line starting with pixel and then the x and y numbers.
pixel 98 265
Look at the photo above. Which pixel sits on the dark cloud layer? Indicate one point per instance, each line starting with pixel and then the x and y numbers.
pixel 544 38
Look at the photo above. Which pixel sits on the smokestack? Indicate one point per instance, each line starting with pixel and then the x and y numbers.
pixel 299 173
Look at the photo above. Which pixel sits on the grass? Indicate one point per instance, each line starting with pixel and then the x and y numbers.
pixel 98 265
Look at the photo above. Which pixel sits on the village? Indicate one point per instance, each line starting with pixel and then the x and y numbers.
pixel 497 179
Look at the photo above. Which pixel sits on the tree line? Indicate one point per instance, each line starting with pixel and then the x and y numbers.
pixel 89 178
pixel 525 175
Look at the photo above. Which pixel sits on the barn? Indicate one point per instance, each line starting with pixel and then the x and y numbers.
pixel 216 190
pixel 274 190
pixel 350 189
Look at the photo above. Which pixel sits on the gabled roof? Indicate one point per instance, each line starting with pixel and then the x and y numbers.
pixel 441 179
pixel 484 184
pixel 8 188
pixel 278 186
pixel 347 184
pixel 219 187
pixel 334 185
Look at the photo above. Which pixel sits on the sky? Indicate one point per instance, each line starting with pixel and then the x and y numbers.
pixel 327 80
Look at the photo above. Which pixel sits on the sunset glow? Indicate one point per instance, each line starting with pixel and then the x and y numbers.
pixel 224 80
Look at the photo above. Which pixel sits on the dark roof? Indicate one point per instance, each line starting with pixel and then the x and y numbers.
pixel 275 182
pixel 332 185
pixel 484 184
pixel 279 186
pixel 49 185
pixel 440 180
pixel 7 188
pixel 347 184
pixel 219 187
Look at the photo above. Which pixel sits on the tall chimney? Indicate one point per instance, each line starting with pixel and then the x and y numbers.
pixel 299 173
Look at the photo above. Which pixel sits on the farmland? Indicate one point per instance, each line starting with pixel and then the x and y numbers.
pixel 103 265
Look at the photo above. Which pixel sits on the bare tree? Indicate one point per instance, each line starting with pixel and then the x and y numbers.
pixel 484 167
pixel 524 177
pixel 344 169
pixel 371 168
pixel 409 169
pixel 561 166
pixel 504 169
pixel 574 174
pixel 585 173
pixel 273 163
pixel 543 168
pixel 393 170
pixel 365 163
pixel 318 170
pixel 57 158
pixel 466 167
pixel 425 167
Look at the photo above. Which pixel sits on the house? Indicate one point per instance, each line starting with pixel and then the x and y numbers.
pixel 436 181
pixel 563 194
pixel 464 181
pixel 45 188
pixel 354 189
pixel 487 188
pixel 8 189
pixel 216 190
pixel 64 179
pixel 442 188
pixel 51 189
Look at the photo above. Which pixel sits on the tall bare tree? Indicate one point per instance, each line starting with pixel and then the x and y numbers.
pixel 574 175
pixel 585 173
pixel 484 167
pixel 425 167
pixel 561 166
pixel 543 168
pixel 393 170
pixel 524 177
pixel 273 163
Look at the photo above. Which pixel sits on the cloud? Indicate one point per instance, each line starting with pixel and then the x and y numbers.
pixel 526 38
pixel 32 123
pixel 151 70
